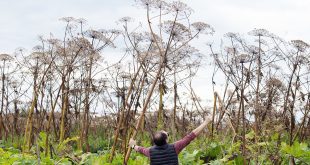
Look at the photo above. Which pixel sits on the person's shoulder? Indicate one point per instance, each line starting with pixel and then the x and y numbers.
pixel 152 147
pixel 172 144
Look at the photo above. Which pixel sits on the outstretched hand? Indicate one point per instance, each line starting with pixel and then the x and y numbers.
pixel 199 129
pixel 207 119
pixel 132 142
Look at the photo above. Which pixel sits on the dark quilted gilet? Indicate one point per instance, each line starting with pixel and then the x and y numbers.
pixel 163 155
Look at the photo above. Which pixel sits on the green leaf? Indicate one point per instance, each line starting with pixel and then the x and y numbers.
pixel 250 135
pixel 298 150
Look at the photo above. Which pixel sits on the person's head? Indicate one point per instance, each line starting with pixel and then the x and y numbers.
pixel 160 138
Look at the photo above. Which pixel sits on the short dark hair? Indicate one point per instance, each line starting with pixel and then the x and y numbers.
pixel 160 138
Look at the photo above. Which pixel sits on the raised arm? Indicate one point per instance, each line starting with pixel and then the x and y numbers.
pixel 181 144
pixel 142 150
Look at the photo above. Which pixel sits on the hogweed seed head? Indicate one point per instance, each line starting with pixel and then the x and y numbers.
pixel 93 34
pixel 67 19
pixel 300 45
pixel 5 57
pixel 125 20
pixel 179 6
pixel 243 58
pixel 259 32
pixel 81 21
pixel 203 27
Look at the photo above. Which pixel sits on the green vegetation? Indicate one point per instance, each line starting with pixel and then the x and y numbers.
pixel 201 151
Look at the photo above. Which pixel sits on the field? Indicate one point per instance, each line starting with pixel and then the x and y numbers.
pixel 68 102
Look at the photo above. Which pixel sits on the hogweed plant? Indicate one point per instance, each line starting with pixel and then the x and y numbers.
pixel 66 98
pixel 254 73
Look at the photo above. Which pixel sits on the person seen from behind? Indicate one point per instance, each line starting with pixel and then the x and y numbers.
pixel 163 153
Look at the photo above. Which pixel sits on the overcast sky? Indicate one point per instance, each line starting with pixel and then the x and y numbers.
pixel 22 21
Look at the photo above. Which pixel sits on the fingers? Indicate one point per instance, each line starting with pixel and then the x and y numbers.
pixel 208 119
pixel 132 142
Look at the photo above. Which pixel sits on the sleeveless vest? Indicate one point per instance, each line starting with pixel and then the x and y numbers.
pixel 163 155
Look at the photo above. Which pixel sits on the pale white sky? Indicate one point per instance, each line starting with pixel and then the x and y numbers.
pixel 23 20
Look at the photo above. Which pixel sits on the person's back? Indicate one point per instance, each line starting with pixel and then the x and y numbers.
pixel 164 154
